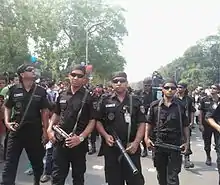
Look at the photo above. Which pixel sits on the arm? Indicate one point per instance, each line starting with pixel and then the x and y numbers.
pixel 101 129
pixel 186 134
pixel 213 123
pixel 90 127
pixel 140 133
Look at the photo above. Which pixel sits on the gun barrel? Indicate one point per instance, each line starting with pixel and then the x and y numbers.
pixel 126 156
pixel 168 146
pixel 60 131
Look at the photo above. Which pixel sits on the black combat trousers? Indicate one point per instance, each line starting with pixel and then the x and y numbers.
pixel 30 139
pixel 207 137
pixel 168 165
pixel 118 172
pixel 189 151
pixel 93 137
pixel 63 157
pixel 217 149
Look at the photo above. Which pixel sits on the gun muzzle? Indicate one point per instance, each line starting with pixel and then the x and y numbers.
pixel 60 131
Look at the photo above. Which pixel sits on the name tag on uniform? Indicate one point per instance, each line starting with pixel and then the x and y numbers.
pixel 18 95
pixel 207 102
pixel 62 101
pixel 110 105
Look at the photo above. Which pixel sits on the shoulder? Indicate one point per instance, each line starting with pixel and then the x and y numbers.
pixel 41 89
pixel 179 103
pixel 155 103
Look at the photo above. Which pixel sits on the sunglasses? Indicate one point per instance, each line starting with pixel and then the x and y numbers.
pixel 77 75
pixel 180 87
pixel 29 69
pixel 168 87
pixel 214 88
pixel 115 81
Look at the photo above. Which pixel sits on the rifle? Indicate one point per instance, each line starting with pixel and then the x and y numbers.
pixel 168 146
pixel 61 133
pixel 119 144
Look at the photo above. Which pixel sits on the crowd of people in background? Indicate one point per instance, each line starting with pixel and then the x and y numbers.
pixel 194 102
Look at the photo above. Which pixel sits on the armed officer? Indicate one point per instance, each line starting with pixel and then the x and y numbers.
pixel 213 119
pixel 206 103
pixel 169 123
pixel 30 107
pixel 124 115
pixel 188 103
pixel 76 114
pixel 147 98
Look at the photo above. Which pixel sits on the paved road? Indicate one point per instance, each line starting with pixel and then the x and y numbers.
pixel 201 174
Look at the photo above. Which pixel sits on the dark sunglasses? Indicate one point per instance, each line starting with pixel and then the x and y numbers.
pixel 29 69
pixel 77 75
pixel 115 81
pixel 180 87
pixel 168 87
pixel 214 88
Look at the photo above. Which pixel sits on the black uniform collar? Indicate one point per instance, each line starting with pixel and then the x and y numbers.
pixel 21 86
pixel 173 101
pixel 81 90
pixel 114 95
pixel 211 98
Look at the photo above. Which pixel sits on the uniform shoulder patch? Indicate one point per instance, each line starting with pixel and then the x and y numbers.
pixel 95 105
pixel 142 109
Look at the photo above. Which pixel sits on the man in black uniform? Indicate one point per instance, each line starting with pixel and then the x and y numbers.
pixel 168 121
pixel 188 103
pixel 78 125
pixel 98 91
pixel 213 119
pixel 147 98
pixel 115 116
pixel 29 135
pixel 205 104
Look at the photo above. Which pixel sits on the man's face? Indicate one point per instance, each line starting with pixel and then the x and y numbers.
pixel 181 89
pixel 147 87
pixel 77 78
pixel 119 84
pixel 213 89
pixel 16 80
pixel 169 90
pixel 2 83
pixel 29 73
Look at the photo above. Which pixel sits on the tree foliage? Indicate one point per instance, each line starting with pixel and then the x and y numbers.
pixel 58 30
pixel 199 65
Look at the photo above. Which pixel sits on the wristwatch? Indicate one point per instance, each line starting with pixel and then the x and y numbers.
pixel 81 138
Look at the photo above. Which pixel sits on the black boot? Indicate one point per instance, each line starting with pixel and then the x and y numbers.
pixel 144 153
pixel 93 149
pixel 188 163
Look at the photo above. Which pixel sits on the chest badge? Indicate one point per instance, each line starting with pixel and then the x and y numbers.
pixel 18 105
pixel 111 116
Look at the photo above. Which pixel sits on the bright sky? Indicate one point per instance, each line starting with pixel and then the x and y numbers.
pixel 161 30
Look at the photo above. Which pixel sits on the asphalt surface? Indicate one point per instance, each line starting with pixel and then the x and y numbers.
pixel 199 175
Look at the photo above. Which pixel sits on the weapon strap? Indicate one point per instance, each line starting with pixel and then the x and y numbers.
pixel 130 111
pixel 80 110
pixel 27 107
